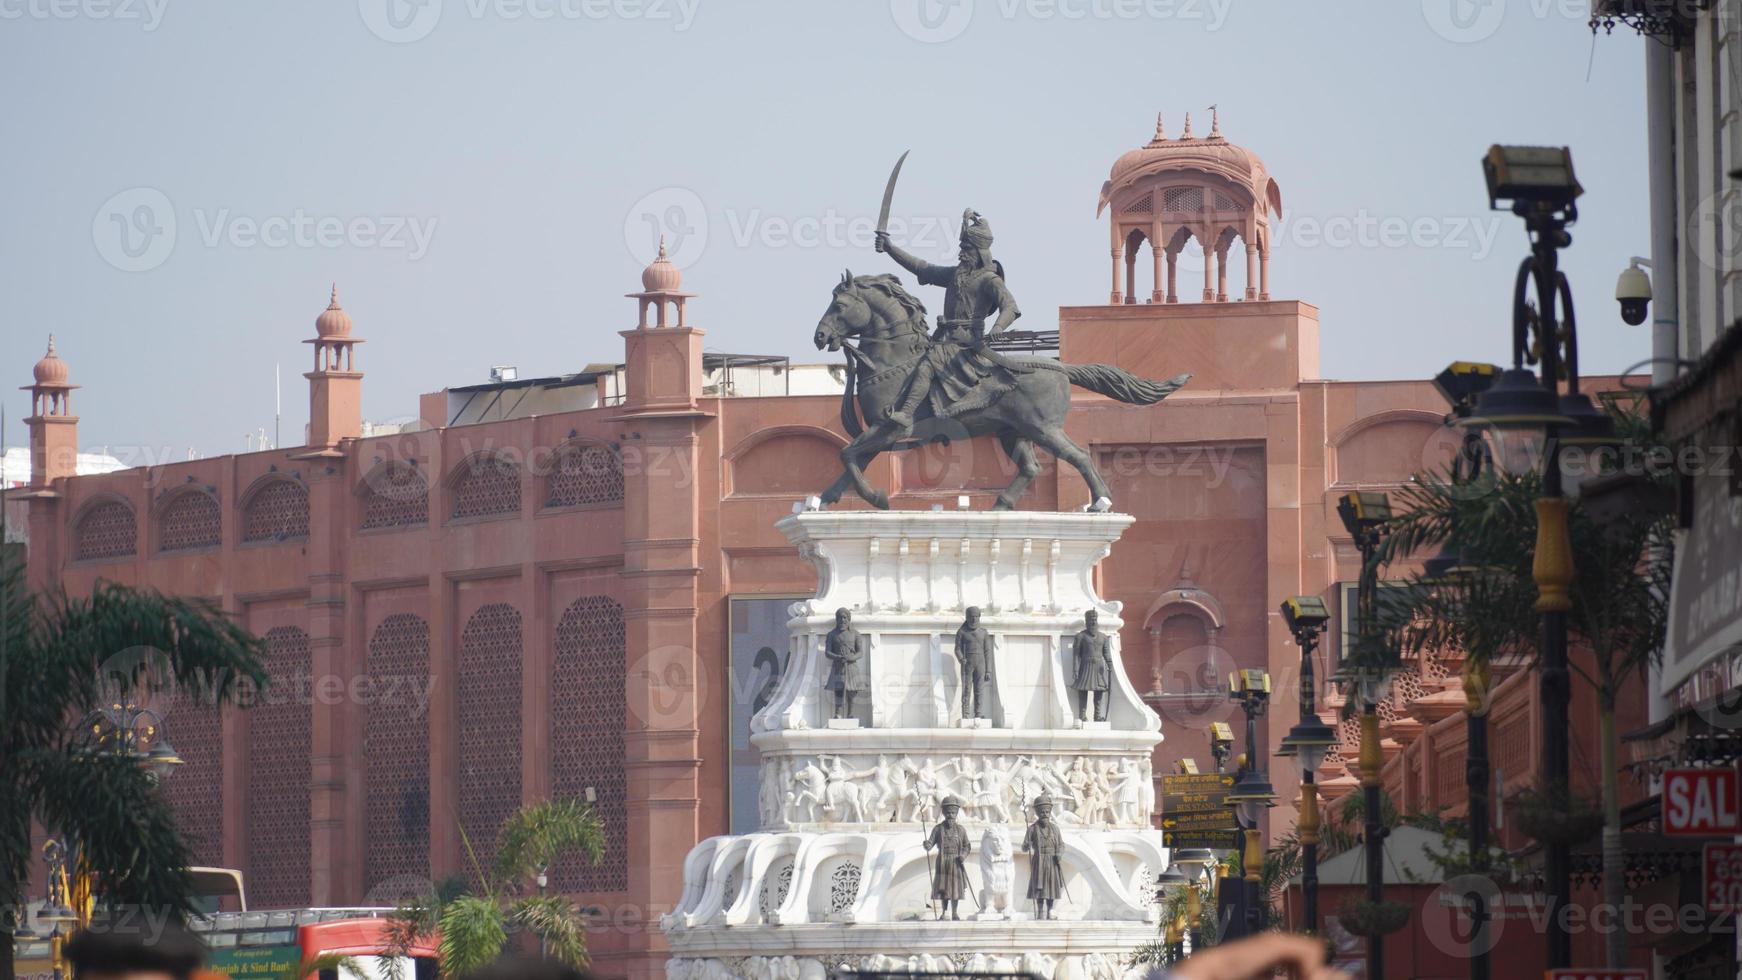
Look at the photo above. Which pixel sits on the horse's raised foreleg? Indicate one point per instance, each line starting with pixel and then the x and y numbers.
pixel 1060 445
pixel 853 457
pixel 1021 452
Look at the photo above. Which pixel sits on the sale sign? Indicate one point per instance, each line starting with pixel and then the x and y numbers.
pixel 1721 883
pixel 1701 803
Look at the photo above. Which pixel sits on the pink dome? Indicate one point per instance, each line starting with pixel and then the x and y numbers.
pixel 333 321
pixel 661 276
pixel 1211 154
pixel 51 370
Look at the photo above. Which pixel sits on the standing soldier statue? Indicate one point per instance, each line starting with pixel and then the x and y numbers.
pixel 951 875
pixel 974 653
pixel 845 648
pixel 1092 672
pixel 958 367
pixel 1044 844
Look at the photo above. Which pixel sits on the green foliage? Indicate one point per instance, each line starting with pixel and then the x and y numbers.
pixel 473 932
pixel 533 838
pixel 63 657
pixel 474 928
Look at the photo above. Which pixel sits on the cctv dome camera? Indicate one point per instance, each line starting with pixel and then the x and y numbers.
pixel 1633 292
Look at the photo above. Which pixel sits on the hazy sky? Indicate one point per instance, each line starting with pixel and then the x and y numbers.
pixel 483 178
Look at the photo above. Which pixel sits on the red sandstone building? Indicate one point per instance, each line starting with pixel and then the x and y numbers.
pixel 574 583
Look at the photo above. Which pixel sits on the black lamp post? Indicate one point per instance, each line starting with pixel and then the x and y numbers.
pixel 1367 676
pixel 1192 861
pixel 1252 793
pixel 1309 741
pixel 1166 882
pixel 1461 384
pixel 1539 185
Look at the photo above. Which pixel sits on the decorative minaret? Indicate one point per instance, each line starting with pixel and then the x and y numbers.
pixel 662 359
pixel 663 418
pixel 54 429
pixel 335 386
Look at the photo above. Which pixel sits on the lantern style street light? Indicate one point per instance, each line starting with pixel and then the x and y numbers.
pixel 1537 184
pixel 1309 741
pixel 1193 863
pixel 1252 793
pixel 1366 676
pixel 1462 384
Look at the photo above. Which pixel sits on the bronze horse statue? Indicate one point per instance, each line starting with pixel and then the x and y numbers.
pixel 889 324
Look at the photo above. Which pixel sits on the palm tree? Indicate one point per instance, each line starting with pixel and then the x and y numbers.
pixel 474 929
pixel 58 660
pixel 1619 594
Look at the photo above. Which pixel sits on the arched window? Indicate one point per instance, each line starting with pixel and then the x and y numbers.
pixel 395 496
pixel 589 704
pixel 279 747
pixel 105 530
pixel 584 474
pixel 191 520
pixel 396 752
pixel 486 486
pixel 489 722
pixel 277 511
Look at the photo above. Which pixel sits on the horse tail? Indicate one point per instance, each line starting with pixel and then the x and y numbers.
pixel 849 407
pixel 1105 379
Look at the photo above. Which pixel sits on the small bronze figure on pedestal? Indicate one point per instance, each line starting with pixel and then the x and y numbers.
pixel 951 874
pixel 1044 844
pixel 845 648
pixel 1092 669
pixel 974 653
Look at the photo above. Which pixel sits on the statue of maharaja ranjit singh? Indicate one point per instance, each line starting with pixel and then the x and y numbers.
pixel 912 384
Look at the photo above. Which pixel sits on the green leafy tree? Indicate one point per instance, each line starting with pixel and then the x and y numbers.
pixel 59 659
pixel 473 929
pixel 1619 596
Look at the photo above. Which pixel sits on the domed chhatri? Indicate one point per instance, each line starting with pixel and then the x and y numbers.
pixel 662 292
pixel 50 393
pixel 1212 153
pixel 333 321
pixel 661 276
pixel 1170 191
pixel 51 370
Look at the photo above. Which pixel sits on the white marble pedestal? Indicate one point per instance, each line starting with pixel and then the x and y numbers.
pixel 838 875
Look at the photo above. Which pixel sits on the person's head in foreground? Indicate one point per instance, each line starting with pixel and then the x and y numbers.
pixel 170 954
pixel 520 968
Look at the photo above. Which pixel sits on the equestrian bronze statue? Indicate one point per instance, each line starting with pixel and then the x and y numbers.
pixel 908 385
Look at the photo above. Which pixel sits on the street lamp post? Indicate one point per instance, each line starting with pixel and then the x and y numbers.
pixel 1539 185
pixel 122 729
pixel 1365 515
pixel 1461 383
pixel 1308 741
pixel 1165 883
pixel 1193 861
pixel 1252 794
